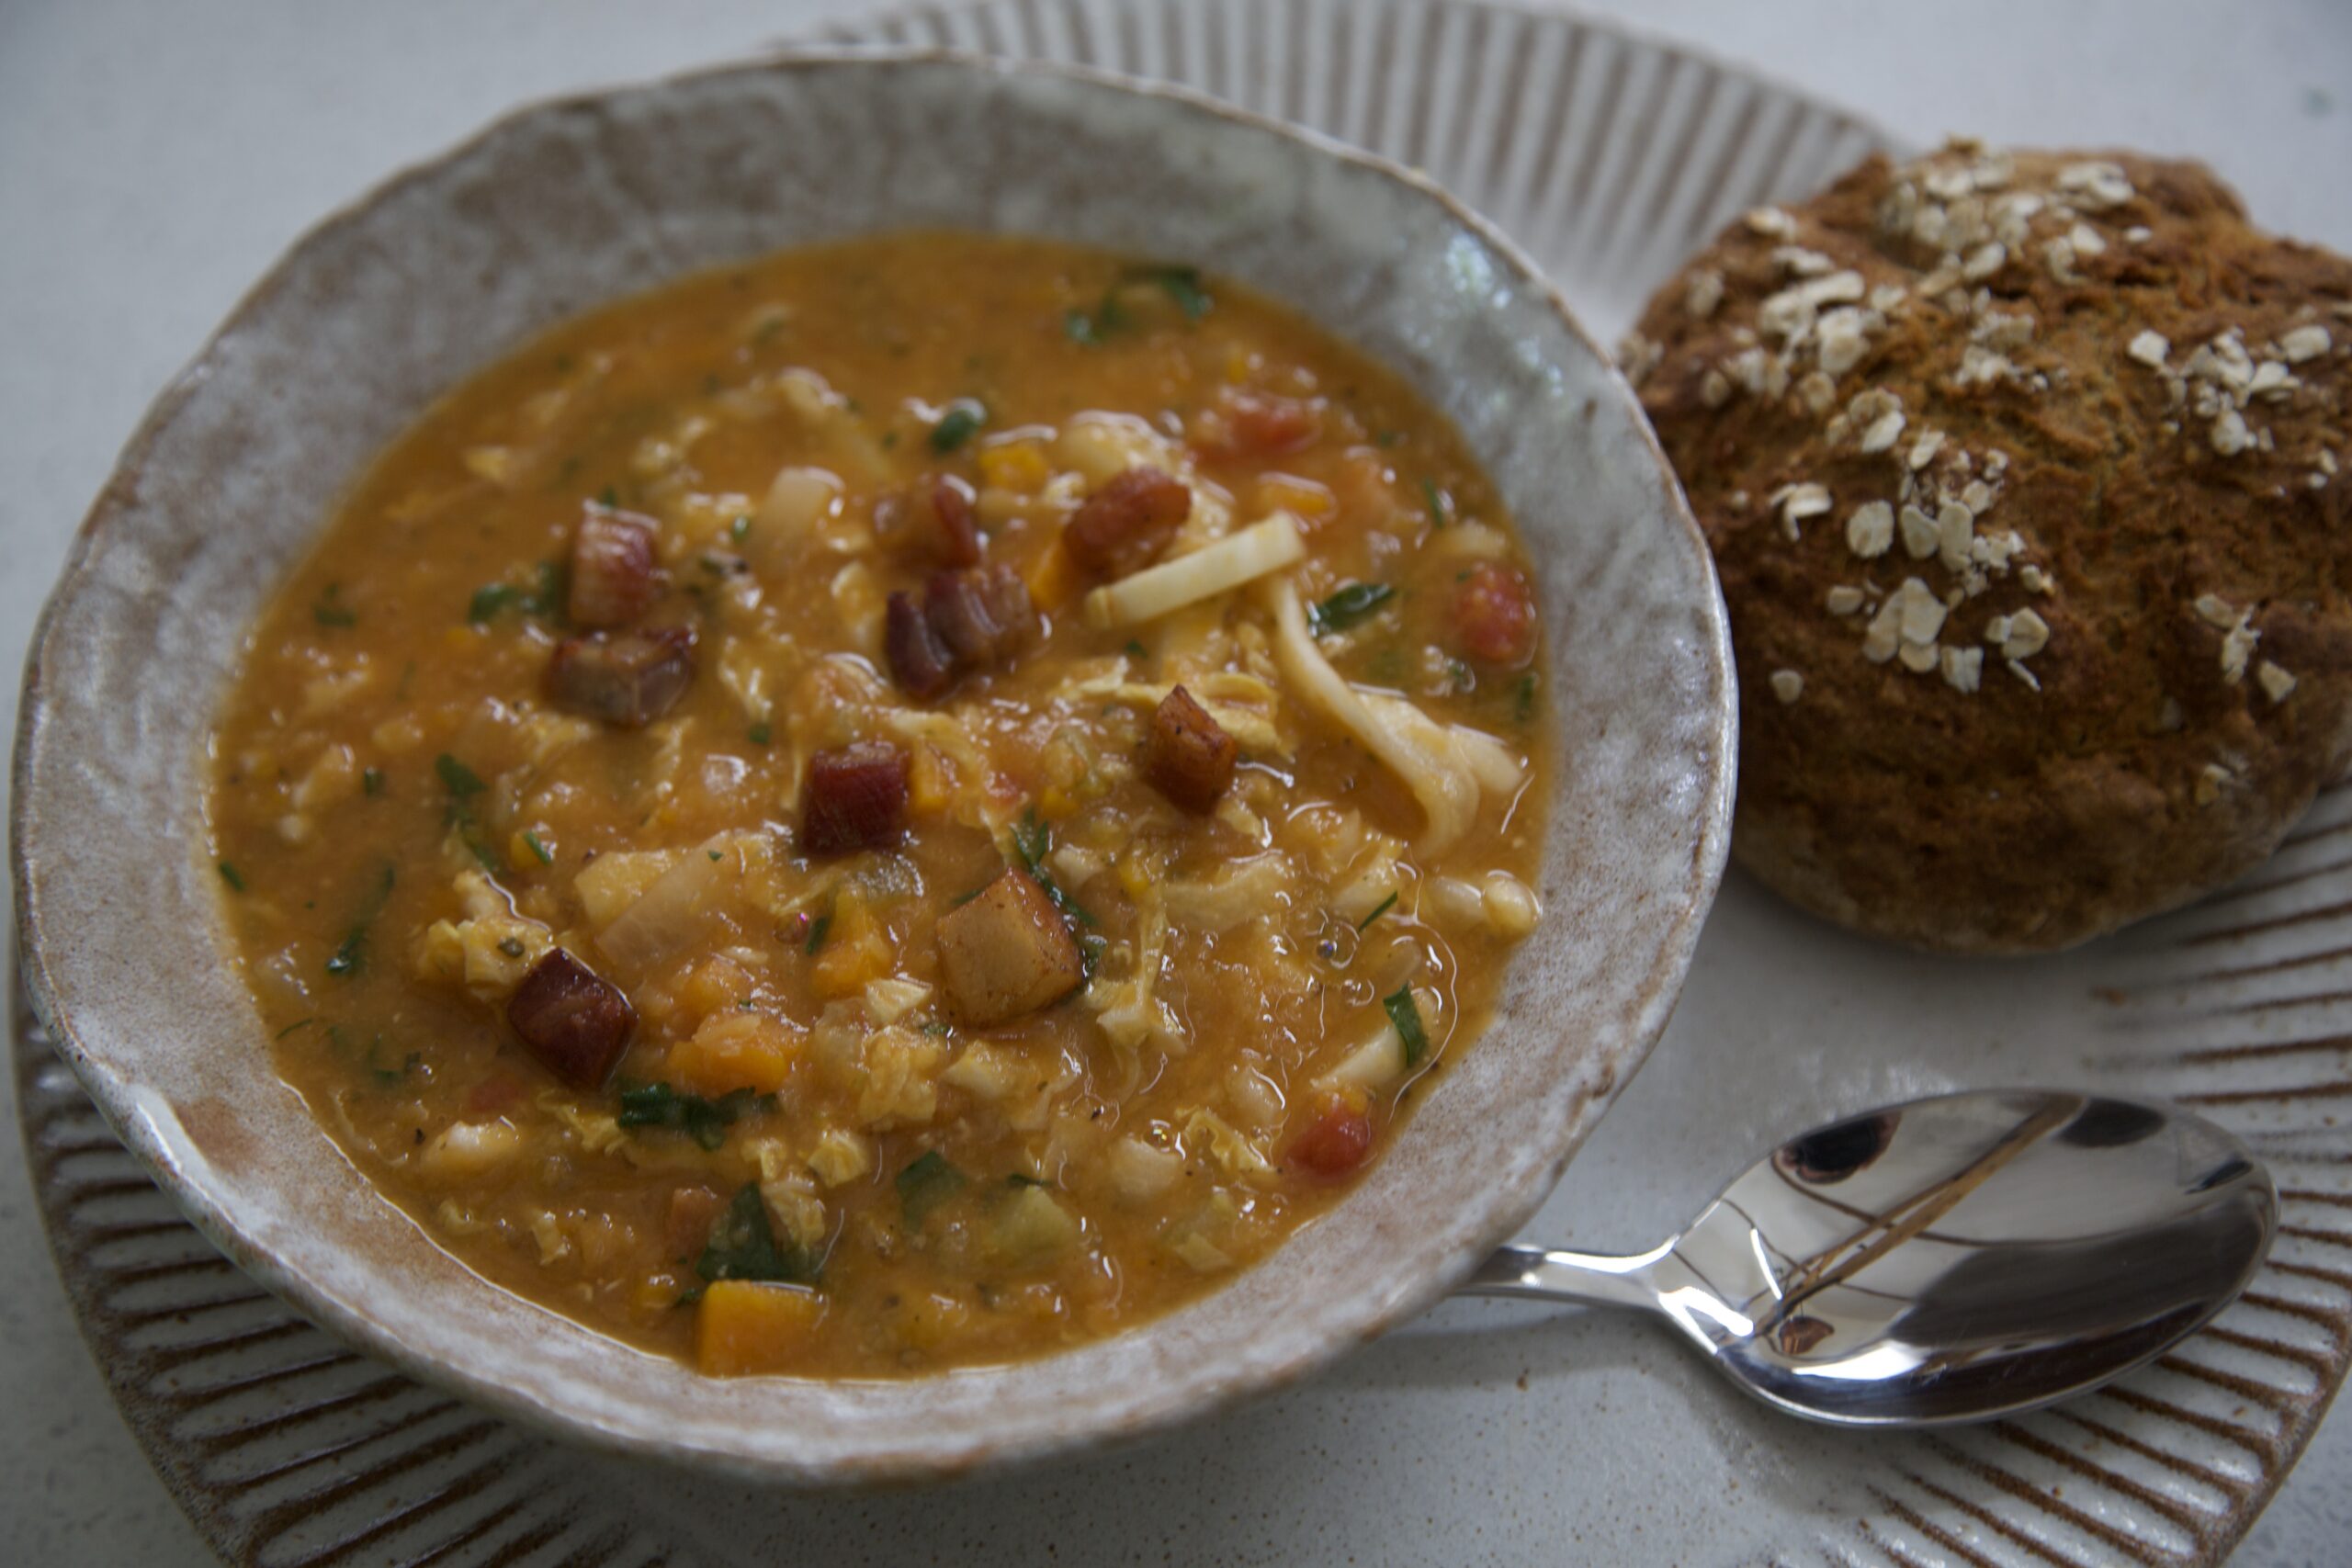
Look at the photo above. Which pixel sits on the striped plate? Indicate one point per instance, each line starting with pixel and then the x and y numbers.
pixel 1486 1430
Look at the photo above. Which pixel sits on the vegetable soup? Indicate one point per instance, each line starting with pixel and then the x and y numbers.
pixel 904 803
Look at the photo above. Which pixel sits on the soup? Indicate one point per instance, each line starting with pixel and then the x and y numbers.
pixel 905 804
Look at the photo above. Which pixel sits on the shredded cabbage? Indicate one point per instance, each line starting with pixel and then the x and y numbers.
pixel 1208 572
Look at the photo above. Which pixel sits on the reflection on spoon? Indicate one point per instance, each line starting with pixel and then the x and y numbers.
pixel 1949 1259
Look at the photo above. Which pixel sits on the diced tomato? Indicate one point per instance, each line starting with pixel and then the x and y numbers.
pixel 687 1229
pixel 1260 424
pixel 492 1095
pixel 1494 612
pixel 1337 1142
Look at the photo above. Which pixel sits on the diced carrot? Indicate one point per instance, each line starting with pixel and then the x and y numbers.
pixel 856 951
pixel 746 1327
pixel 714 984
pixel 1055 579
pixel 734 1049
pixel 1018 465
pixel 1304 499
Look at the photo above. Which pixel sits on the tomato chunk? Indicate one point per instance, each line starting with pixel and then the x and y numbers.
pixel 1494 614
pixel 1335 1143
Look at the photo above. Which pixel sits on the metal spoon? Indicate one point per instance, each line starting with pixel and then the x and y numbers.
pixel 1947 1260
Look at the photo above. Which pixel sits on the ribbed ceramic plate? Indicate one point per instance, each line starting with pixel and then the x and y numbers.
pixel 1487 1431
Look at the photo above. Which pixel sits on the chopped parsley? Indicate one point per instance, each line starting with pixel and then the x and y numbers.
pixel 705 1120
pixel 232 877
pixel 351 955
pixel 958 424
pixel 819 930
pixel 1522 707
pixel 330 612
pixel 1406 1015
pixel 1441 504
pixel 1033 842
pixel 926 1184
pixel 546 597
pixel 372 781
pixel 1378 911
pixel 539 851
pixel 1181 284
pixel 759 733
pixel 744 1247
pixel 1356 603
pixel 1136 650
pixel 462 782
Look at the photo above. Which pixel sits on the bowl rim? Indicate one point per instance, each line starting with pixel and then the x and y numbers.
pixel 1645 1012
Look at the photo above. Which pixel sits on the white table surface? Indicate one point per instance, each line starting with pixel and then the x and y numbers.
pixel 155 156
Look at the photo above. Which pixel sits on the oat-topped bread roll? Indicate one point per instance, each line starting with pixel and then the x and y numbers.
pixel 2021 471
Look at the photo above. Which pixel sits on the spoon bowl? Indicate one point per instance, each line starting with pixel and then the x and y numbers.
pixel 1944 1260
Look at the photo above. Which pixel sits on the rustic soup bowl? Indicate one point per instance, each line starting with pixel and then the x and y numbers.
pixel 572 203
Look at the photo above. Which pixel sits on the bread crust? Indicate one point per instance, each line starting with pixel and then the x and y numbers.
pixel 2022 474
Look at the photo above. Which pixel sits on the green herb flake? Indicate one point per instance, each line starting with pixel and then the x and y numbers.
pixel 1181 284
pixel 1406 1015
pixel 1078 327
pixel 512 946
pixel 539 850
pixel 926 1184
pixel 1389 437
pixel 351 955
pixel 610 499
pixel 1522 707
pixel 740 530
pixel 232 877
pixel 744 1247
pixel 1136 650
pixel 1378 909
pixel 819 930
pixel 958 424
pixel 489 600
pixel 1033 842
pixel 462 783
pixel 298 1024
pixel 1440 505
pixel 659 1106
pixel 330 612
pixel 760 733
pixel 372 781
pixel 1022 1178
pixel 1352 605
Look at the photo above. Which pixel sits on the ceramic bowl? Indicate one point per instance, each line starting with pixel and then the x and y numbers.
pixel 572 203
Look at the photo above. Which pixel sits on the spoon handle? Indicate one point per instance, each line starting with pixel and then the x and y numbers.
pixel 1535 1274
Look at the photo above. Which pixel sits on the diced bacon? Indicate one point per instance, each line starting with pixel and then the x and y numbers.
pixel 1189 757
pixel 1337 1142
pixel 628 679
pixel 919 663
pixel 613 576
pixel 573 1020
pixel 857 799
pixel 959 523
pixel 936 518
pixel 1494 612
pixel 1124 525
pixel 965 621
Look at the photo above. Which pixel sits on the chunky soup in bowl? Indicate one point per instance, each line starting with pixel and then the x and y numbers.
pixel 913 801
